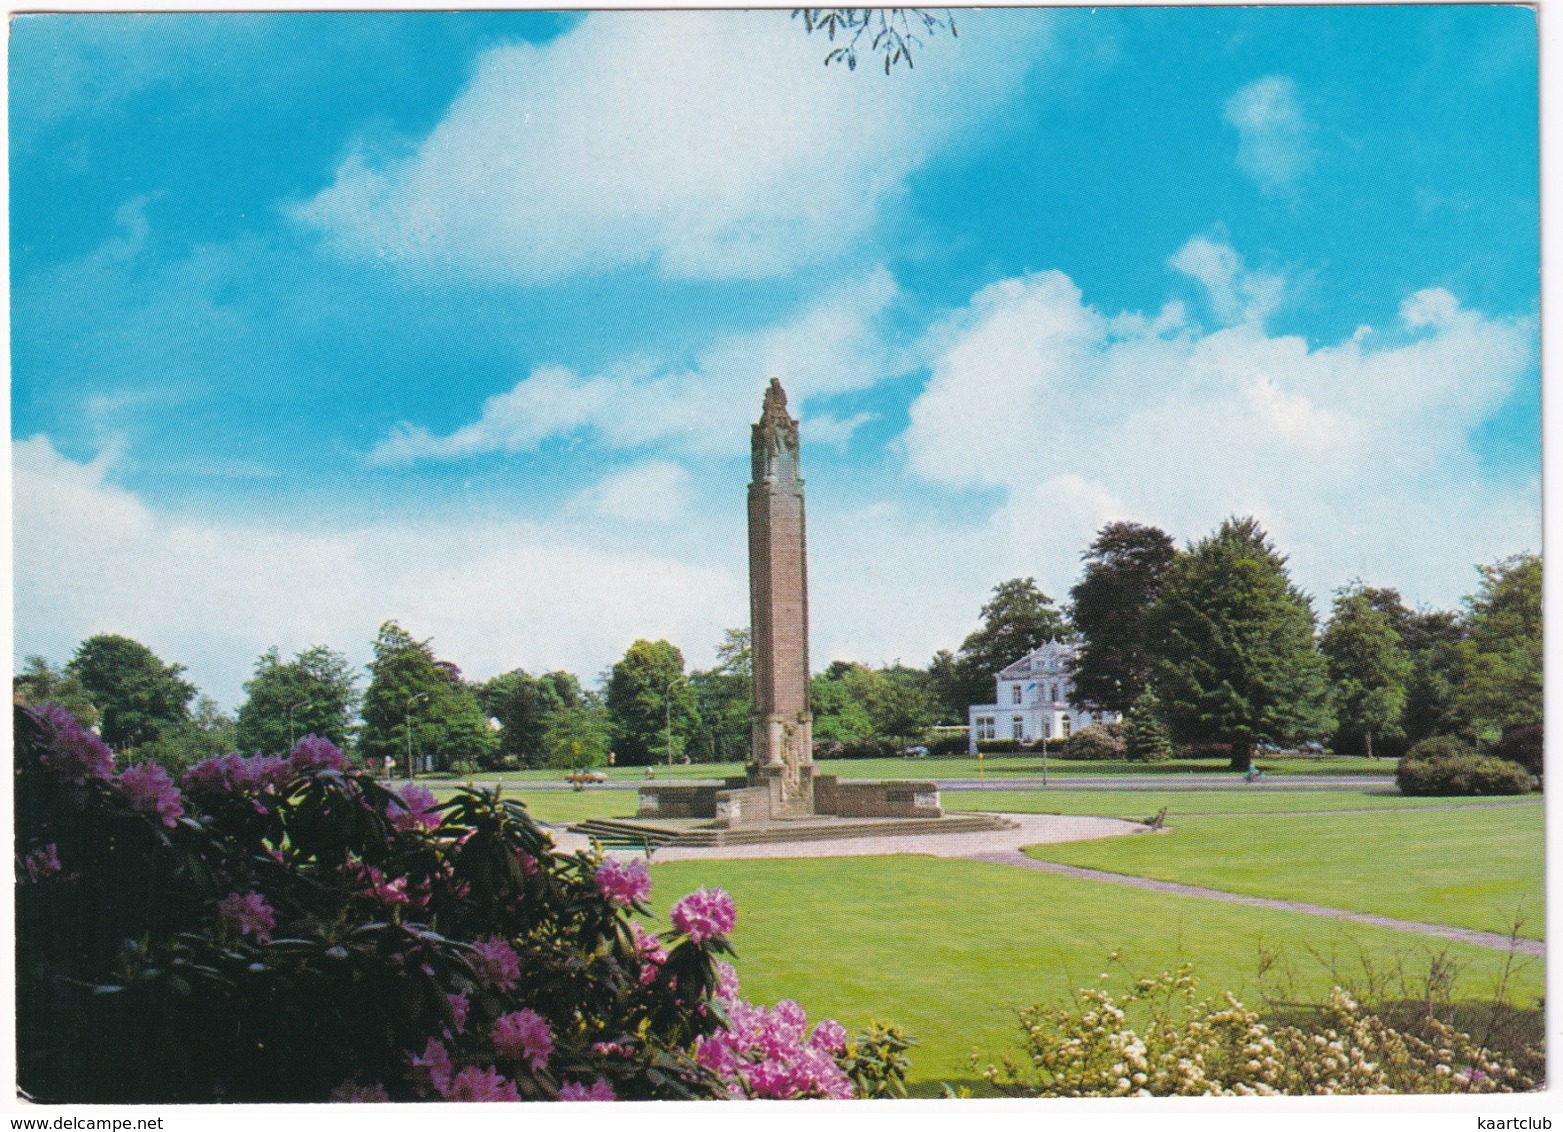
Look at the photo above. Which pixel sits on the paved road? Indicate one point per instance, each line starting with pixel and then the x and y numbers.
pixel 1146 783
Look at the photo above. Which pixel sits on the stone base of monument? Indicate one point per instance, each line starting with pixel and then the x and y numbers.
pixel 766 807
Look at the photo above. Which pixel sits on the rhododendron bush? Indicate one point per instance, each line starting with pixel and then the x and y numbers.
pixel 286 929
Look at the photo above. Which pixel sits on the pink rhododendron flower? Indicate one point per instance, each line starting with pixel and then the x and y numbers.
pixel 430 1070
pixel 829 1037
pixel 415 809
pixel 496 963
pixel 371 882
pixel 249 915
pixel 41 864
pixel 226 775
pixel 314 753
pixel 523 1035
pixel 460 1004
pixel 652 955
pixel 351 1092
pixel 704 913
pixel 75 753
pixel 148 788
pixel 623 883
pixel 600 1090
pixel 480 1085
pixel 726 981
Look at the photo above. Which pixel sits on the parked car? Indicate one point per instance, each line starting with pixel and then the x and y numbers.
pixel 585 777
pixel 915 753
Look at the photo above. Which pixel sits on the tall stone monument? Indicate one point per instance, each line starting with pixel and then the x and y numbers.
pixel 781 744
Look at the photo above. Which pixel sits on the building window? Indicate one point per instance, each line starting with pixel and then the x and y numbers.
pixel 1052 692
pixel 1015 694
pixel 985 728
pixel 1064 722
pixel 1018 728
pixel 1047 729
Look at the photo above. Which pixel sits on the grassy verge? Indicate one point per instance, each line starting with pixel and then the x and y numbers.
pixel 950 949
pixel 1473 868
pixel 1143 803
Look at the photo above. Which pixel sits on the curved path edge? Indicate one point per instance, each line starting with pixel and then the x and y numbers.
pixel 1495 940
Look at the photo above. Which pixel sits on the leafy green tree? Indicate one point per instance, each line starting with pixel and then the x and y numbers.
pixel 651 703
pixel 839 716
pixel 724 698
pixel 209 732
pixel 1110 608
pixel 418 706
pixel 944 683
pixel 138 697
pixel 852 702
pixel 40 683
pixel 1367 666
pixel 525 706
pixel 1018 618
pixel 1430 640
pixel 578 737
pixel 316 693
pixel 1238 660
pixel 1502 658
pixel 1145 735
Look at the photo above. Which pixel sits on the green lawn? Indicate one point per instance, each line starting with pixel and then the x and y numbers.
pixel 560 805
pixel 949 949
pixel 1140 804
pixel 1468 868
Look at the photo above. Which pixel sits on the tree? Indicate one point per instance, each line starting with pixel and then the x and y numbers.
pixel 1018 618
pixel 136 694
pixel 839 716
pixel 179 746
pixel 1145 735
pixel 1110 608
pixel 892 32
pixel 651 704
pixel 944 683
pixel 525 706
pixel 40 683
pixel 1368 669
pixel 316 693
pixel 577 737
pixel 417 706
pixel 724 698
pixel 1502 658
pixel 853 702
pixel 1238 662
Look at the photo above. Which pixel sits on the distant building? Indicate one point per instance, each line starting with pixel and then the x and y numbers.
pixel 1035 701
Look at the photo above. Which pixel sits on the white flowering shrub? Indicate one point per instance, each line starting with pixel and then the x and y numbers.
pixel 1192 1046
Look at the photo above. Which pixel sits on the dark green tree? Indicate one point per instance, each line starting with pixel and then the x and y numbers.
pixel 724 697
pixel 578 737
pixel 1110 608
pixel 417 707
pixel 1502 658
pixel 138 697
pixel 40 683
pixel 651 704
pixel 316 693
pixel 839 716
pixel 944 682
pixel 1239 664
pixel 525 706
pixel 209 732
pixel 1145 735
pixel 1368 668
pixel 1430 640
pixel 1018 618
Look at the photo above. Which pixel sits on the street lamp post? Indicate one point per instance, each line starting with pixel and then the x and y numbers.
pixel 407 726
pixel 291 736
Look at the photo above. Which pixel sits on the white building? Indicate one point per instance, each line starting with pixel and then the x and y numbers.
pixel 1035 701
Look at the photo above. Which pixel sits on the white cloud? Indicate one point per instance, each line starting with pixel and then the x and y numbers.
pixel 213 594
pixel 1274 146
pixel 1355 455
pixel 656 491
pixel 834 346
pixel 1236 293
pixel 706 144
pixel 823 428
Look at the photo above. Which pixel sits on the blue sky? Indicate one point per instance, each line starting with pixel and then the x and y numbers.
pixel 460 319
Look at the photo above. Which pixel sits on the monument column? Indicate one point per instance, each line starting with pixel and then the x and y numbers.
pixel 781 748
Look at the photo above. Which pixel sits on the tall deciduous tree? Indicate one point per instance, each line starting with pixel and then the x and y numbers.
pixel 724 697
pixel 578 737
pixel 418 706
pixel 316 693
pixel 525 706
pixel 651 703
pixel 136 694
pixel 40 683
pixel 1367 666
pixel 1110 608
pixel 1502 658
pixel 1018 618
pixel 1239 664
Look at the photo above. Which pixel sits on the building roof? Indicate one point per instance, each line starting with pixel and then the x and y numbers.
pixel 1053 658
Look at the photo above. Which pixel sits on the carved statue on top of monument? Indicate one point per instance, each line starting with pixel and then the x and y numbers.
pixel 781 749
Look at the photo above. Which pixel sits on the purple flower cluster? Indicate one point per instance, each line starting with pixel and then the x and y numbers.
pixel 523 1035
pixel 41 864
pixel 249 915
pixel 652 955
pixel 370 881
pixel 496 963
pixel 75 753
pixel 433 1075
pixel 460 1004
pixel 624 883
pixel 599 1090
pixel 234 775
pixel 314 753
pixel 704 913
pixel 147 787
pixel 770 1054
pixel 415 810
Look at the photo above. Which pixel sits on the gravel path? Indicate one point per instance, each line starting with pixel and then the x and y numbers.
pixel 1003 848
